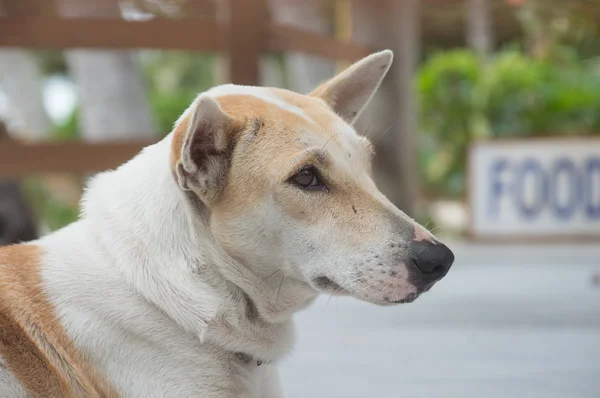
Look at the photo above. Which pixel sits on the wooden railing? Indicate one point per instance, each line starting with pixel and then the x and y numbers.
pixel 242 39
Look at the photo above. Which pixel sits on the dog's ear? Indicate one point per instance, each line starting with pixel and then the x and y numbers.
pixel 204 157
pixel 350 91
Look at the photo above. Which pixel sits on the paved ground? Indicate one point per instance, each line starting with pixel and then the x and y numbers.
pixel 507 321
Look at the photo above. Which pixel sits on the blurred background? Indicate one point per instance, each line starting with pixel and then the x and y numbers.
pixel 487 131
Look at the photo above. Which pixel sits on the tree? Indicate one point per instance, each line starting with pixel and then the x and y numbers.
pixel 113 103
pixel 298 71
pixel 22 82
pixel 305 72
pixel 391 119
pixel 479 27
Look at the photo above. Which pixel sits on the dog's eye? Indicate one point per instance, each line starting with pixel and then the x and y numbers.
pixel 307 178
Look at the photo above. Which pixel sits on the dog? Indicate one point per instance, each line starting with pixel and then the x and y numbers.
pixel 181 276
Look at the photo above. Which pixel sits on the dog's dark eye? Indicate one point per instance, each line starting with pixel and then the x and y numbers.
pixel 307 178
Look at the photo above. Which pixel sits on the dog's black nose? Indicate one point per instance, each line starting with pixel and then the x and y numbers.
pixel 432 260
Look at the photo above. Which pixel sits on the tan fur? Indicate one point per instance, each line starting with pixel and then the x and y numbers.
pixel 178 140
pixel 321 93
pixel 282 137
pixel 275 135
pixel 247 108
pixel 33 344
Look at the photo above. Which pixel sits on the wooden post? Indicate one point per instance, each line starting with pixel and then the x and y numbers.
pixel 246 40
pixel 343 26
pixel 405 61
pixel 390 121
pixel 27 7
pixel 479 27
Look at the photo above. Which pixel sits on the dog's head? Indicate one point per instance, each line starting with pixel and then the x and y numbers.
pixel 288 185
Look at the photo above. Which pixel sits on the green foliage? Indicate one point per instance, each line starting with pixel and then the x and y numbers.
pixel 173 80
pixel 167 107
pixel 534 97
pixel 51 62
pixel 67 130
pixel 55 213
pixel 448 85
pixel 513 95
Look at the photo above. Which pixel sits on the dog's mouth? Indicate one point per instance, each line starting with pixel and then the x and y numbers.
pixel 326 285
pixel 408 299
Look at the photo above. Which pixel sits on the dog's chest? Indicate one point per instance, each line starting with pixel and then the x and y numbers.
pixel 147 355
pixel 139 347
pixel 177 368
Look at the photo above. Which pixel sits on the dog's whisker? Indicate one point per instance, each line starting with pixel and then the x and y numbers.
pixel 335 291
pixel 381 132
pixel 435 229
pixel 366 133
pixel 279 288
pixel 364 290
pixel 380 294
pixel 270 275
pixel 371 285
pixel 329 299
pixel 329 139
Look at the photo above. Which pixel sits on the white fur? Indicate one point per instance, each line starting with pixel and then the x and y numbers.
pixel 141 301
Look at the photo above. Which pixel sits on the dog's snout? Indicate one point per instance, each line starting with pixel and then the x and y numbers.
pixel 432 260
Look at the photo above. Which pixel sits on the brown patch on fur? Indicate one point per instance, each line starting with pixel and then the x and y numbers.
pixel 315 108
pixel 244 107
pixel 26 362
pixel 281 138
pixel 181 131
pixel 249 110
pixel 286 135
pixel 178 140
pixel 286 141
pixel 33 344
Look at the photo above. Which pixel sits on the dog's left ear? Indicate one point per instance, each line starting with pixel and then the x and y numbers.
pixel 204 157
pixel 350 91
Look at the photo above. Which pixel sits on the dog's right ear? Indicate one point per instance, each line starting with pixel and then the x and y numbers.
pixel 204 142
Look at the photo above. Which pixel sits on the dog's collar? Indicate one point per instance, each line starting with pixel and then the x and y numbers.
pixel 247 359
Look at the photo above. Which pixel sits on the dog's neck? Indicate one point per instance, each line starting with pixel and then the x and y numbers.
pixel 158 237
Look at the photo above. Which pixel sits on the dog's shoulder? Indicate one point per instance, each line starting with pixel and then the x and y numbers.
pixel 34 347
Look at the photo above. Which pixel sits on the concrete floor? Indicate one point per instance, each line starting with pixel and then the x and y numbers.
pixel 507 321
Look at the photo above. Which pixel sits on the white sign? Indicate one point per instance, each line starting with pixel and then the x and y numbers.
pixel 535 188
